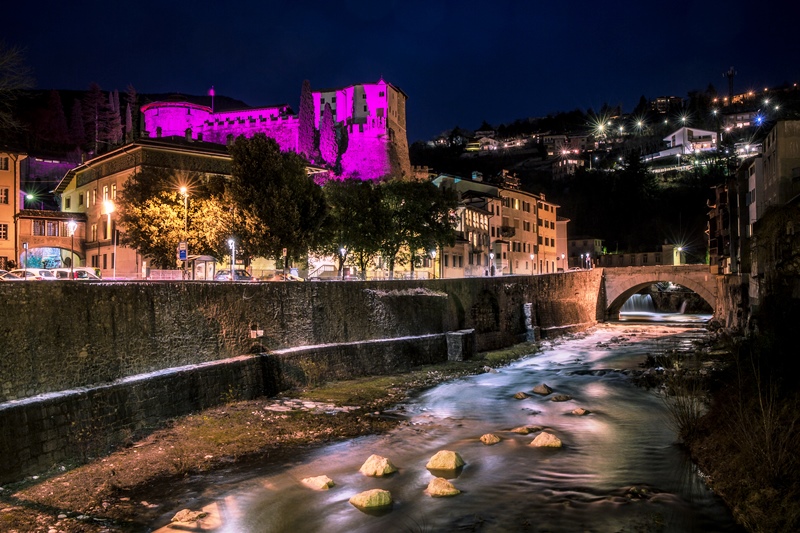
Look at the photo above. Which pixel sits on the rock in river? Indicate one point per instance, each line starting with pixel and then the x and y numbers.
pixel 445 460
pixel 377 466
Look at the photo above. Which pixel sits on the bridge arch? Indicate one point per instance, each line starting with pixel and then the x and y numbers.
pixel 622 283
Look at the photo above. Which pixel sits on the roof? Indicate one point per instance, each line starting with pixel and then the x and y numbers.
pixel 179 144
pixel 42 213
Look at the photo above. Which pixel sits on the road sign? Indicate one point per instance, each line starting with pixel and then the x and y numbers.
pixel 183 250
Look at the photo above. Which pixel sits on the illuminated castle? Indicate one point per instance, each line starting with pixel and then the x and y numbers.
pixel 373 115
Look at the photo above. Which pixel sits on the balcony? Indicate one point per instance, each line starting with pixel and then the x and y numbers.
pixel 507 231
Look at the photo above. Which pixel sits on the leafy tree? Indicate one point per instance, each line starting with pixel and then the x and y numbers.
pixel 14 77
pixel 152 213
pixel 305 116
pixel 278 205
pixel 353 222
pixel 415 216
pixel 327 137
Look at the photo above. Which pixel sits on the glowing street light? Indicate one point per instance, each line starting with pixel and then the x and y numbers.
pixel 433 263
pixel 71 226
pixel 185 193
pixel 491 263
pixel 108 208
pixel 533 265
pixel 232 246
pixel 342 255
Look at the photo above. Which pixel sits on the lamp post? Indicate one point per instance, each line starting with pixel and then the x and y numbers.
pixel 563 266
pixel 185 193
pixel 342 255
pixel 433 263
pixel 71 226
pixel 491 263
pixel 533 265
pixel 232 245
pixel 583 263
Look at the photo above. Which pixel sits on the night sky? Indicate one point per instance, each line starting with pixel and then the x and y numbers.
pixel 460 62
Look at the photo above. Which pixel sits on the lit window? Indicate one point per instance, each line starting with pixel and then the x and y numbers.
pixel 3 163
pixel 113 191
pixel 4 195
pixel 3 232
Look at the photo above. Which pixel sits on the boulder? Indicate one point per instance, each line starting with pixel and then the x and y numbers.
pixel 445 460
pixel 580 411
pixel 521 395
pixel 546 440
pixel 561 398
pixel 439 487
pixel 371 499
pixel 489 439
pixel 318 482
pixel 542 389
pixel 378 466
pixel 187 515
pixel 524 430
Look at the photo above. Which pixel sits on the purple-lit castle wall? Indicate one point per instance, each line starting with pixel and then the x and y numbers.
pixel 183 119
pixel 373 113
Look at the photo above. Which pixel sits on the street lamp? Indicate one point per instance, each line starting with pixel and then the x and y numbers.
pixel 433 263
pixel 533 266
pixel 232 245
pixel 563 266
pixel 71 226
pixel 342 255
pixel 185 192
pixel 491 263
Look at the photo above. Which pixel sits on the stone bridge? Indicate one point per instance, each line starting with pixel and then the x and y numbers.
pixel 623 282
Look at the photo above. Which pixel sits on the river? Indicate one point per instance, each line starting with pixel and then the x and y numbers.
pixel 620 469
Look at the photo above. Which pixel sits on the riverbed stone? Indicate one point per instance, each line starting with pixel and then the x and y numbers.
pixel 377 466
pixel 187 515
pixel 561 398
pixel 371 499
pixel 440 487
pixel 445 460
pixel 525 430
pixel 489 439
pixel 318 482
pixel 580 411
pixel 542 389
pixel 546 440
pixel 521 395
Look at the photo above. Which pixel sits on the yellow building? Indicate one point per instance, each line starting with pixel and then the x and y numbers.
pixel 10 202
pixel 548 254
pixel 91 190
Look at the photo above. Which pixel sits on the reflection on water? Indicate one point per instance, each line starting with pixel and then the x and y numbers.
pixel 619 469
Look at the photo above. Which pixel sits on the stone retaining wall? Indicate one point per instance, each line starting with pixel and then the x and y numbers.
pixel 84 366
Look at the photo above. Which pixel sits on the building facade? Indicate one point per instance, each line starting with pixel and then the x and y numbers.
pixel 11 201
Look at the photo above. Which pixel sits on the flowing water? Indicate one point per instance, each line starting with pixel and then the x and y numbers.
pixel 619 470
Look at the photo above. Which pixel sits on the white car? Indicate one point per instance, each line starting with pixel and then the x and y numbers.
pixel 31 274
pixel 84 273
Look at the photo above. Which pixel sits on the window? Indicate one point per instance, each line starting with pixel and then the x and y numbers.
pixel 381 93
pixel 105 192
pixel 52 228
pixel 105 260
pixel 80 199
pixel 67 202
pixel 94 234
pixel 94 198
pixel 4 195
pixel 364 96
pixel 38 228
pixel 114 190
pixel 95 261
pixel 3 163
pixel 3 232
pixel 365 108
pixel 333 99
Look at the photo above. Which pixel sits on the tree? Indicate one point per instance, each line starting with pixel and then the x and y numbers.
pixel 351 229
pixel 152 213
pixel 77 133
pixel 277 203
pixel 14 77
pixel 305 116
pixel 415 216
pixel 114 119
pixel 327 137
pixel 131 115
pixel 52 123
pixel 98 117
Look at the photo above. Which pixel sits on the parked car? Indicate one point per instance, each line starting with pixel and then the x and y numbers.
pixel 5 275
pixel 84 273
pixel 238 275
pixel 280 276
pixel 31 274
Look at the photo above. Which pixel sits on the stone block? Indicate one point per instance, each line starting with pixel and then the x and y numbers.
pixel 461 345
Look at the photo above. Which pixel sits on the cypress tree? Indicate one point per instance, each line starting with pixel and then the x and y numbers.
pixel 306 129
